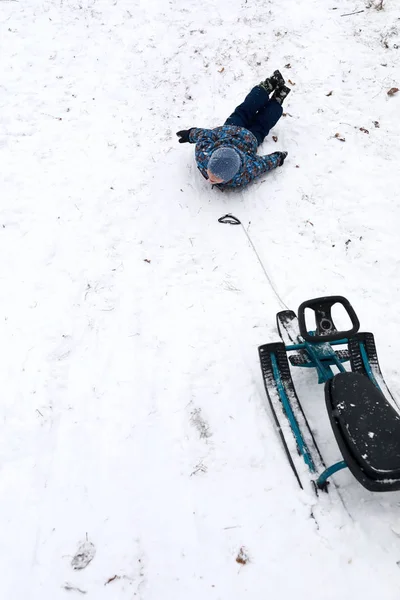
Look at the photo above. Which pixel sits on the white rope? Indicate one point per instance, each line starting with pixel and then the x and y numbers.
pixel 232 220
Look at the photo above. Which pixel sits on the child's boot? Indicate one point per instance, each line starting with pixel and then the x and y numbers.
pixel 280 94
pixel 273 82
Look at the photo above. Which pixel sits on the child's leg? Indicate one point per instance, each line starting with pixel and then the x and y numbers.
pixel 266 119
pixel 245 114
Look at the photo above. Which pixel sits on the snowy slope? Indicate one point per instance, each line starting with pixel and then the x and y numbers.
pixel 133 412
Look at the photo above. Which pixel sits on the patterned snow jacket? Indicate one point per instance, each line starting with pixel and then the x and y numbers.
pixel 244 142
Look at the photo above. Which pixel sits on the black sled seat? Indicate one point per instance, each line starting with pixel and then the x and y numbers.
pixel 367 430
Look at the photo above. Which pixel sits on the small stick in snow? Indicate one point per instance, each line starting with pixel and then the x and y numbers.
pixel 116 577
pixel 71 588
pixel 353 13
pixel 52 116
pixel 112 579
pixel 199 468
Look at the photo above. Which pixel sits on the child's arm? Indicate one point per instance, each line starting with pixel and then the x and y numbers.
pixel 205 142
pixel 272 161
pixel 197 134
pixel 255 166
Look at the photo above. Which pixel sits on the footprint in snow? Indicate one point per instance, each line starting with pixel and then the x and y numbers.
pixel 84 555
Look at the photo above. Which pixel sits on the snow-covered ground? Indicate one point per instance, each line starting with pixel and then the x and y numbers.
pixel 133 412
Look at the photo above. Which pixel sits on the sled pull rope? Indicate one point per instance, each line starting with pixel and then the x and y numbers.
pixel 232 220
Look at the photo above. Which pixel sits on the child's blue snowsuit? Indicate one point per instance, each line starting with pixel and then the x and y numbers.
pixel 244 130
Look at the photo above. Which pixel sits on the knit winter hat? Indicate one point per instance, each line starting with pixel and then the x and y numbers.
pixel 224 163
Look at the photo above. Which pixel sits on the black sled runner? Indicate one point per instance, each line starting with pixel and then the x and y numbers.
pixel 363 414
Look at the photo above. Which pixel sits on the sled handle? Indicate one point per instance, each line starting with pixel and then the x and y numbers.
pixel 325 326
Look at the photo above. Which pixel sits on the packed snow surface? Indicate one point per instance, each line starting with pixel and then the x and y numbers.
pixel 138 457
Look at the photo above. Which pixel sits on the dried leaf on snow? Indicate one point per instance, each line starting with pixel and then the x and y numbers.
pixel 339 137
pixel 242 557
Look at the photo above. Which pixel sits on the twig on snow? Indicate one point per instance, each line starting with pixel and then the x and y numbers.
pixel 112 579
pixel 353 13
pixel 72 588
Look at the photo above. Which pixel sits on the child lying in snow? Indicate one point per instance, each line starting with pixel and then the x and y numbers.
pixel 227 156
